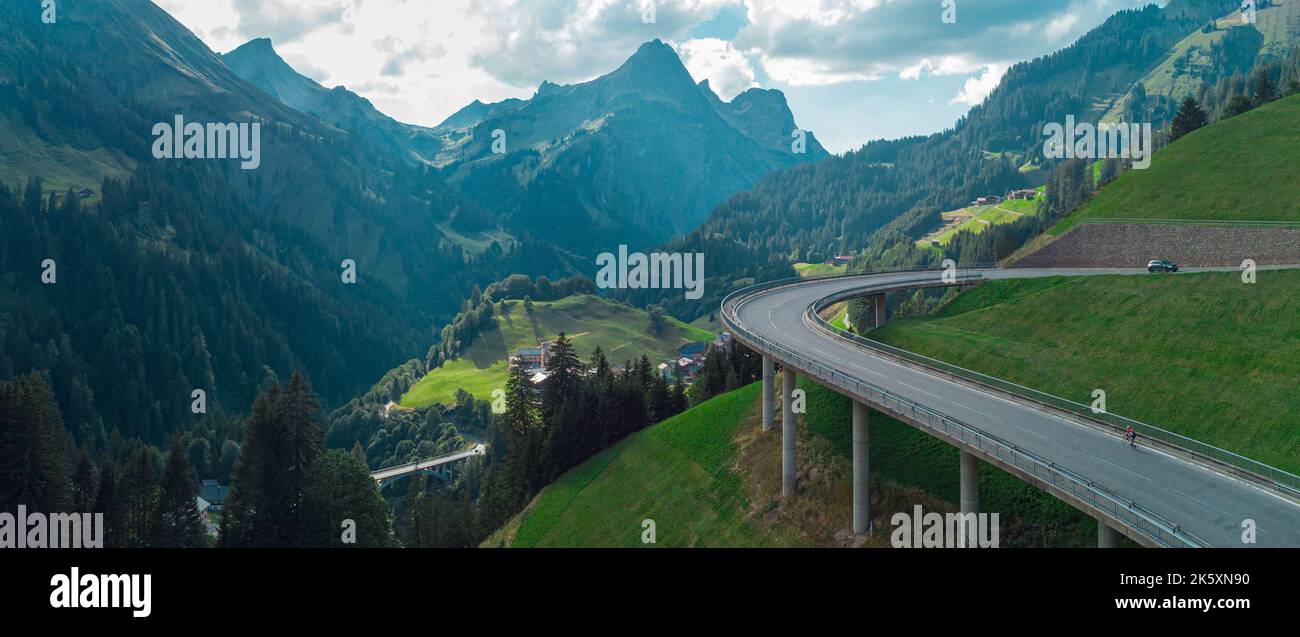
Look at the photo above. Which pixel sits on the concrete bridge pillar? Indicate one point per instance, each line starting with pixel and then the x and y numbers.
pixel 970 483
pixel 1107 538
pixel 769 393
pixel 881 310
pixel 861 474
pixel 788 430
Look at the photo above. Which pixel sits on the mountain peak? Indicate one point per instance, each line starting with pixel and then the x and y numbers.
pixel 768 96
pixel 654 47
pixel 257 63
pixel 257 54
pixel 547 87
pixel 260 47
pixel 655 55
pixel 655 65
pixel 477 111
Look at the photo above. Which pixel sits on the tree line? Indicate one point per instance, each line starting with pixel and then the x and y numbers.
pixel 288 490
pixel 147 502
pixel 578 411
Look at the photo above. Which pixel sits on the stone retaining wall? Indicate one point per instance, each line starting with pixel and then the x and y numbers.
pixel 1133 245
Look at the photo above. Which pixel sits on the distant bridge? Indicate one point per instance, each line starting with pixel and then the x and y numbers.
pixel 441 466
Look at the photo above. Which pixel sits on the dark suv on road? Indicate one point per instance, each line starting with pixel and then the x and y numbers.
pixel 1162 265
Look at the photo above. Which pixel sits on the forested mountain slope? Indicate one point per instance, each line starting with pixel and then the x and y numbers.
pixel 259 64
pixel 181 275
pixel 881 198
pixel 634 156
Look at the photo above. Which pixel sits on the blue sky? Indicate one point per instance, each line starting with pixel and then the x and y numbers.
pixel 852 70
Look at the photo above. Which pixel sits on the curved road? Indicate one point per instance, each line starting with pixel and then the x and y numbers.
pixel 1208 504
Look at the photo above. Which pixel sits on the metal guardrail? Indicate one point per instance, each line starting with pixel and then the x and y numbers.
pixel 1160 530
pixel 1279 479
pixel 1216 223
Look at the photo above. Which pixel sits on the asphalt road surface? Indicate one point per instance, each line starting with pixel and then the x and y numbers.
pixel 1208 504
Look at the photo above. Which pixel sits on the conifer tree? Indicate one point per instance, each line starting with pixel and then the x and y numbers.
pixel 304 437
pixel 341 497
pixel 287 491
pixel 602 374
pixel 521 406
pixel 1262 87
pixel 84 483
pixel 108 504
pixel 176 522
pixel 563 373
pixel 1189 118
pixel 660 399
pixel 33 456
pixel 1237 105
pixel 139 497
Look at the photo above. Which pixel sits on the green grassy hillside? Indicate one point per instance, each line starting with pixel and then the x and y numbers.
pixel 711 478
pixel 708 477
pixel 977 219
pixel 1190 62
pixel 675 473
pixel 818 269
pixel 1200 354
pixel 589 321
pixel 62 161
pixel 1242 168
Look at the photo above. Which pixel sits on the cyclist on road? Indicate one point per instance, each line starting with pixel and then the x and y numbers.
pixel 1132 436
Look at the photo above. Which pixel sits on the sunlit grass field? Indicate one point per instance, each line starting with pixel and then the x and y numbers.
pixel 1242 168
pixel 589 321
pixel 1204 355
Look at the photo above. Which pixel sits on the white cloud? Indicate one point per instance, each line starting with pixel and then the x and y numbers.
pixel 799 71
pixel 289 20
pixel 824 13
pixel 429 71
pixel 399 54
pixel 304 65
pixel 1063 26
pixel 567 41
pixel 435 56
pixel 819 42
pixel 727 70
pixel 947 65
pixel 977 88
